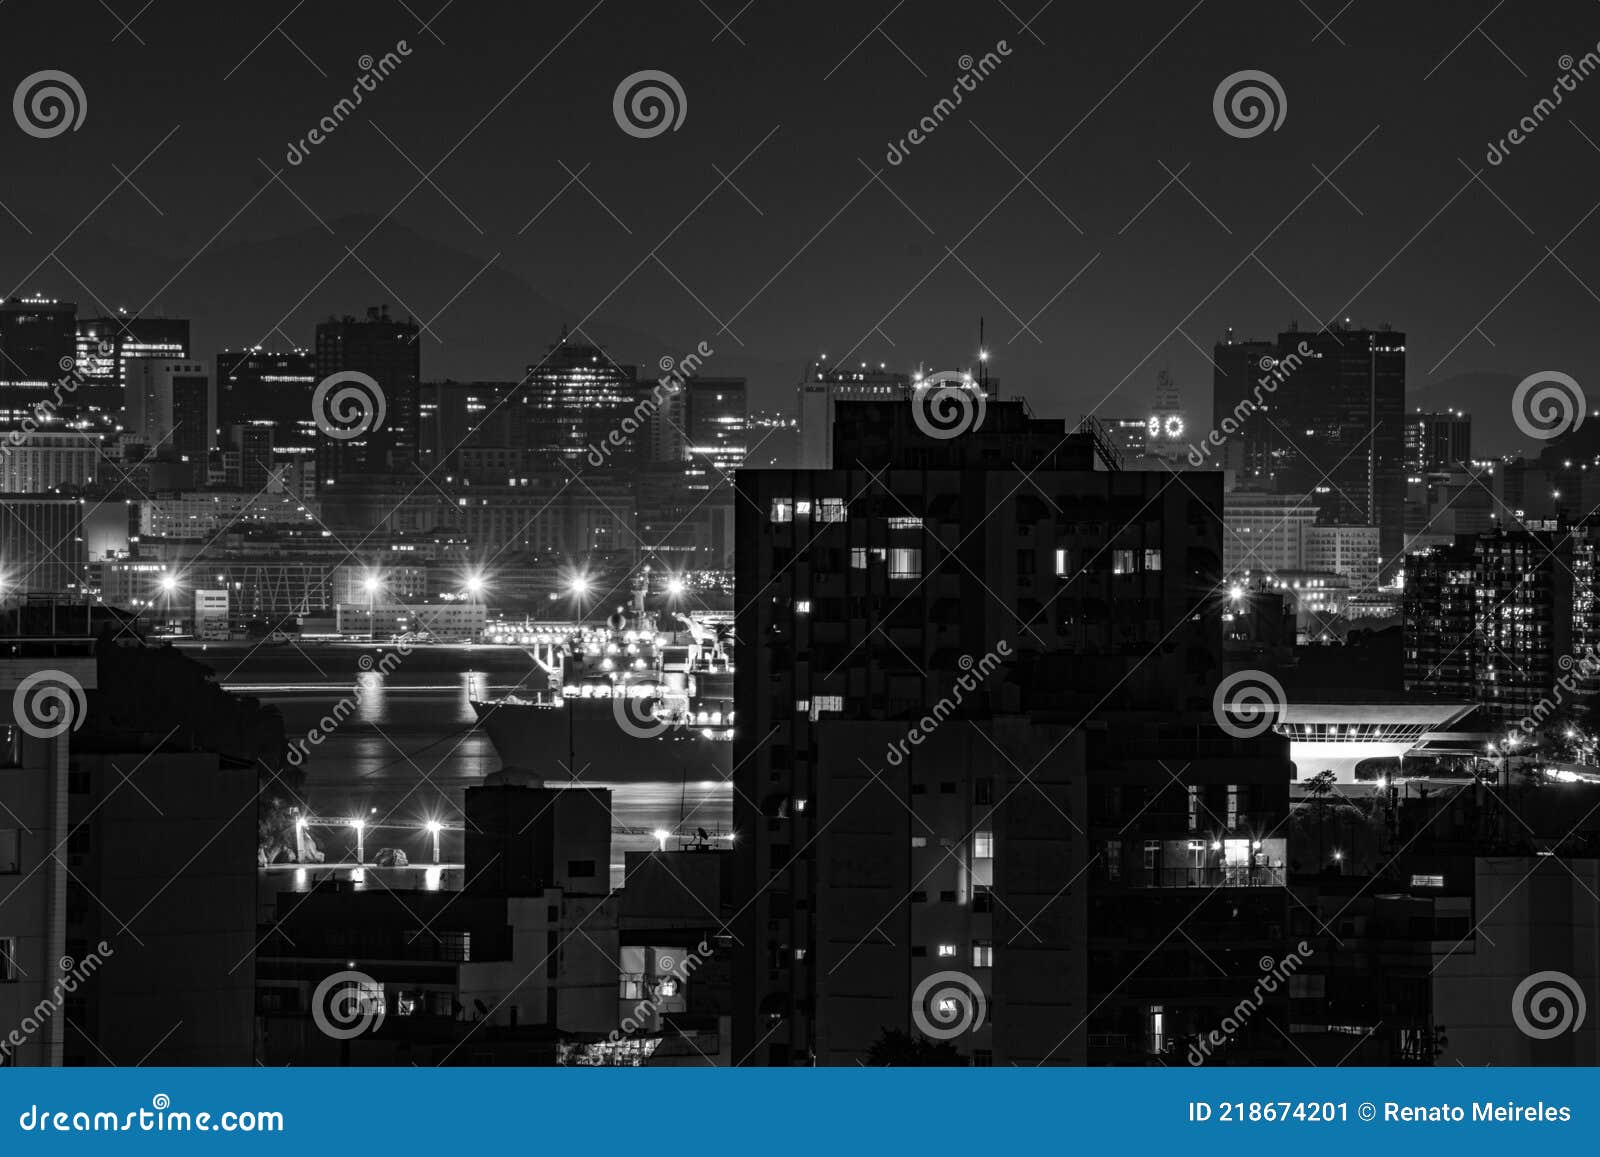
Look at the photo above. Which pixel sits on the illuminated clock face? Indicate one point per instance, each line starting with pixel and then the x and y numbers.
pixel 1169 427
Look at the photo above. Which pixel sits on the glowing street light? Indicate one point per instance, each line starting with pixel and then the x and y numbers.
pixel 474 584
pixel 434 828
pixel 662 835
pixel 361 840
pixel 676 587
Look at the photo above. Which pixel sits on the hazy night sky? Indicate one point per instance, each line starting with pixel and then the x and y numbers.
pixel 798 96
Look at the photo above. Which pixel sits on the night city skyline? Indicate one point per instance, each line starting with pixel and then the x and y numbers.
pixel 730 535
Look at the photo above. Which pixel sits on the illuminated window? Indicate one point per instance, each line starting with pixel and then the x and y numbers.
pixel 802 506
pixel 947 950
pixel 802 606
pixel 899 523
pixel 828 703
pixel 919 841
pixel 982 954
pixel 1427 881
pixel 783 510
pixel 983 845
pixel 1122 562
pixel 1152 559
pixel 831 510
pixel 858 558
pixel 905 563
pixel 1063 563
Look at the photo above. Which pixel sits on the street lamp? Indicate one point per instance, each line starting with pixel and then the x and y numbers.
pixel 372 584
pixel 361 840
pixel 434 827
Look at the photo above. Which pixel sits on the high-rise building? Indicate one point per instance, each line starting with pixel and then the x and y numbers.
pixel 169 406
pixel 912 586
pixel 702 426
pixel 1265 532
pixel 105 344
pixel 257 385
pixel 390 353
pixel 573 400
pixel 1438 441
pixel 42 463
pixel 43 548
pixel 38 341
pixel 1325 416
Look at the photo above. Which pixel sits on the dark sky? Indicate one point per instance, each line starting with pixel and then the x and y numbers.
pixel 821 257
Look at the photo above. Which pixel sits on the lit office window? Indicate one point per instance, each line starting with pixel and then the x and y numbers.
pixel 947 950
pixel 1152 559
pixel 832 510
pixel 858 558
pixel 983 845
pixel 982 954
pixel 783 510
pixel 1063 562
pixel 1122 562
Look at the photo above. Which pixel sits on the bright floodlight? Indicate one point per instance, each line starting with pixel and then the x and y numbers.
pixel 434 826
pixel 371 583
pixel 169 583
pixel 475 584
pixel 580 585
pixel 662 836
pixel 675 586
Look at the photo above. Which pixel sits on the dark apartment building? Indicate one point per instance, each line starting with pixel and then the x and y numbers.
pixel 932 625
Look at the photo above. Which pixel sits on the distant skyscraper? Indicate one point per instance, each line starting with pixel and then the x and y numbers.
pixel 168 405
pixel 38 341
pixel 1438 441
pixel 1329 422
pixel 256 385
pixel 702 427
pixel 391 354
pixel 572 400
pixel 104 345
